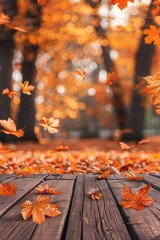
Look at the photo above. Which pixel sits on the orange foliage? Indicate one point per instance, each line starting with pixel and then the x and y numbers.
pixel 121 3
pixel 26 88
pixel 50 124
pixel 46 189
pixel 10 94
pixel 10 128
pixel 38 209
pixel 7 189
pixel 153 35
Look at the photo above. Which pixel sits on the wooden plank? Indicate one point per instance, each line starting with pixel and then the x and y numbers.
pixel 150 227
pixel 14 227
pixel 75 218
pixel 69 177
pixel 155 182
pixel 6 177
pixel 54 177
pixel 101 219
pixel 53 228
pixel 24 185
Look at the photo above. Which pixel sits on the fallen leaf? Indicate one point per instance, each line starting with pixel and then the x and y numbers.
pixel 125 146
pixel 50 124
pixel 126 167
pixel 95 195
pixel 10 94
pixel 26 88
pixel 7 189
pixel 38 209
pixel 131 175
pixel 46 189
pixel 109 170
pixel 137 200
pixel 153 35
pixel 121 3
pixel 10 128
pixel 79 75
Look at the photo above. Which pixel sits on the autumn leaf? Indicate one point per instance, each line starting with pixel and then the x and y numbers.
pixel 10 128
pixel 26 88
pixel 143 141
pixel 121 3
pixel 7 189
pixel 10 94
pixel 131 175
pixel 38 209
pixel 79 75
pixel 4 19
pixel 16 28
pixel 126 167
pixel 95 195
pixel 153 35
pixel 46 189
pixel 61 148
pixel 137 200
pixel 125 146
pixel 156 10
pixel 50 124
pixel 153 86
pixel 43 3
pixel 108 172
pixel 111 77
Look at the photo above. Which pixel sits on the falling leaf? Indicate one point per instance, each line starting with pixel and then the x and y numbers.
pixel 131 175
pixel 7 189
pixel 125 146
pixel 95 195
pixel 108 172
pixel 156 10
pixel 10 128
pixel 143 141
pixel 43 3
pixel 10 94
pixel 38 209
pixel 4 19
pixel 121 3
pixel 111 77
pixel 50 124
pixel 16 28
pixel 153 35
pixel 137 200
pixel 79 75
pixel 46 189
pixel 26 88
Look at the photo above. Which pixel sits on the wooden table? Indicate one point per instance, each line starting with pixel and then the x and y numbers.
pixel 82 218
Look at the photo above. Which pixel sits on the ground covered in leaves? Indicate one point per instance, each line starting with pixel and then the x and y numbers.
pixel 98 156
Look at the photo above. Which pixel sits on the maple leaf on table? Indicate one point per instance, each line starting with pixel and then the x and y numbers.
pixel 46 189
pixel 153 35
pixel 137 200
pixel 95 195
pixel 38 209
pixel 26 88
pixel 10 94
pixel 50 124
pixel 10 128
pixel 7 189
pixel 121 3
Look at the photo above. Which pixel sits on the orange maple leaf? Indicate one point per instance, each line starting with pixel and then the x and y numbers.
pixel 137 200
pixel 10 94
pixel 121 3
pixel 131 175
pixel 26 88
pixel 7 189
pixel 79 74
pixel 108 172
pixel 156 10
pixel 50 124
pixel 46 189
pixel 153 35
pixel 95 195
pixel 111 77
pixel 38 209
pixel 43 3
pixel 10 128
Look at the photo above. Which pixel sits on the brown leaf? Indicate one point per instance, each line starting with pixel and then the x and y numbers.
pixel 46 189
pixel 50 124
pixel 10 94
pixel 38 209
pixel 7 189
pixel 10 128
pixel 111 77
pixel 26 88
pixel 95 195
pixel 79 74
pixel 125 146
pixel 137 200
pixel 131 175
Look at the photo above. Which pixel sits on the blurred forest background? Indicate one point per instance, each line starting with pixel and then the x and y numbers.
pixel 68 35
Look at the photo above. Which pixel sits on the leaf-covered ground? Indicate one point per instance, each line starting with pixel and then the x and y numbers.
pixel 79 156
